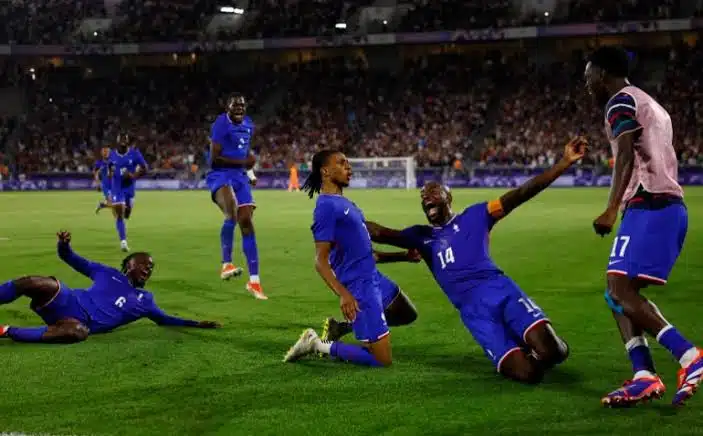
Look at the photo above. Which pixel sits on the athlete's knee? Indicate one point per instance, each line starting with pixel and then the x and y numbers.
pixel 401 311
pixel 547 346
pixel 245 221
pixel 521 367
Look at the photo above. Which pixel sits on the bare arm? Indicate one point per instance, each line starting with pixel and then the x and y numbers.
pixel 573 151
pixel 324 269
pixel 217 160
pixel 384 235
pixel 397 256
pixel 622 173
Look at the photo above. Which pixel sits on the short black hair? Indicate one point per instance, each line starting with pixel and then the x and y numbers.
pixel 313 183
pixel 234 96
pixel 611 59
pixel 129 257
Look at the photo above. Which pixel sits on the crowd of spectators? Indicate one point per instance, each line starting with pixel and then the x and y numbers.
pixel 56 21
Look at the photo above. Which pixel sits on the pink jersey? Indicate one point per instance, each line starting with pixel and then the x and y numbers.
pixel 655 167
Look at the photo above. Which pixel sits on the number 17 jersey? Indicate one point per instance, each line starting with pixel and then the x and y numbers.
pixel 457 252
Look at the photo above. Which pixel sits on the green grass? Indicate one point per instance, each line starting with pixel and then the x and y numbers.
pixel 147 380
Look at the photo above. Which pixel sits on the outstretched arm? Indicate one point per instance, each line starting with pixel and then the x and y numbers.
pixel 161 318
pixel 78 263
pixel 398 256
pixel 574 150
pixel 384 235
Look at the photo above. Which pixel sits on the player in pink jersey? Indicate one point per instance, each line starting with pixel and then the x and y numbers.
pixel 652 231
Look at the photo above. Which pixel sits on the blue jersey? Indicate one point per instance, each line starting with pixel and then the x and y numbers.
pixel 120 164
pixel 457 253
pixel 235 139
pixel 101 166
pixel 111 301
pixel 337 220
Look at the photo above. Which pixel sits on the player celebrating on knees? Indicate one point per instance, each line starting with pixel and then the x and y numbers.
pixel 653 228
pixel 345 261
pixel 126 165
pixel 115 298
pixel 102 179
pixel 512 330
pixel 397 307
pixel 230 188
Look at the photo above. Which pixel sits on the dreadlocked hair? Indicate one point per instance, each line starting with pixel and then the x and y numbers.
pixel 611 59
pixel 131 256
pixel 313 183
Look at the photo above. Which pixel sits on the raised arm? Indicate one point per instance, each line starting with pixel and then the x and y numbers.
pixel 573 151
pixel 384 235
pixel 78 263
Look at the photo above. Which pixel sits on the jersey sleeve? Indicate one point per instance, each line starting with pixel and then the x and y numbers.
pixel 412 236
pixel 218 132
pixel 98 165
pixel 156 314
pixel 621 113
pixel 78 263
pixel 139 157
pixel 324 222
pixel 483 215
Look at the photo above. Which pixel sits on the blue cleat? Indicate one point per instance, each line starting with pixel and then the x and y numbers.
pixel 689 379
pixel 635 391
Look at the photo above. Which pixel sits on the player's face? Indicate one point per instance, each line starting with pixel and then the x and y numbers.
pixel 338 170
pixel 436 203
pixel 139 269
pixel 236 109
pixel 105 152
pixel 595 84
pixel 123 143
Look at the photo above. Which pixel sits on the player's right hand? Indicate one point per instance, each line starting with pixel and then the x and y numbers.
pixel 414 256
pixel 64 236
pixel 349 306
pixel 251 161
pixel 575 150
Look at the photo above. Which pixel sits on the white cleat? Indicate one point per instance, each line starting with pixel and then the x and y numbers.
pixel 123 246
pixel 304 346
pixel 229 271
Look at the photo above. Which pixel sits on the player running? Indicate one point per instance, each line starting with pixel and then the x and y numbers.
pixel 102 179
pixel 345 261
pixel 230 188
pixel 512 330
pixel 653 228
pixel 126 165
pixel 397 307
pixel 115 298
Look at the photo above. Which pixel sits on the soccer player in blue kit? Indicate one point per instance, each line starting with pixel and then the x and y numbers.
pixel 102 179
pixel 115 298
pixel 345 262
pixel 126 165
pixel 512 330
pixel 230 179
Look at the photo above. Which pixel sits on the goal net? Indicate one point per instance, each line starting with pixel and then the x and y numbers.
pixel 383 172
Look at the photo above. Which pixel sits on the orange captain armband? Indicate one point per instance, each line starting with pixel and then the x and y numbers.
pixel 495 208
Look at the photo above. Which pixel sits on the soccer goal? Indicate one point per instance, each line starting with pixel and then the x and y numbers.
pixel 383 172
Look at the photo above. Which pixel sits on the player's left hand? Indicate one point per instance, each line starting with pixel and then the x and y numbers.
pixel 604 224
pixel 253 181
pixel 414 256
pixel 209 325
pixel 575 150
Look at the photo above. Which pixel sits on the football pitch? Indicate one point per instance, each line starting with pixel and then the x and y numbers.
pixel 148 380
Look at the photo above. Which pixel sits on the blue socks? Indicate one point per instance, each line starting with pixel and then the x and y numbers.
pixel 671 339
pixel 8 292
pixel 227 240
pixel 640 355
pixel 26 334
pixel 252 254
pixel 121 230
pixel 353 353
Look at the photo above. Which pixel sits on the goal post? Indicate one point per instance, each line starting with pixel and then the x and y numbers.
pixel 383 172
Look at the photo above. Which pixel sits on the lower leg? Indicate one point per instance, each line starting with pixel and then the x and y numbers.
pixel 249 246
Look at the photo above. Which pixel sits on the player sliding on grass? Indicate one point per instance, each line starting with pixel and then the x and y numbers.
pixel 654 225
pixel 115 298
pixel 512 330
pixel 345 261
pixel 397 307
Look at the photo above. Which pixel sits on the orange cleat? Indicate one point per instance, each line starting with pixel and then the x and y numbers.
pixel 256 290
pixel 229 271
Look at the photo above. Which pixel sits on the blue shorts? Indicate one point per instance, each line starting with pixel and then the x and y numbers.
pixel 65 304
pixel 370 323
pixel 389 290
pixel 106 191
pixel 123 196
pixel 648 243
pixel 239 182
pixel 499 315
